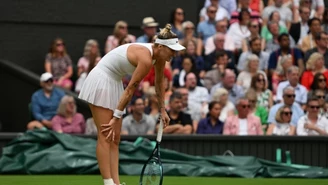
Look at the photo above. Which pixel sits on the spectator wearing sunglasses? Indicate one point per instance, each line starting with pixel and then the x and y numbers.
pixel 289 100
pixel 293 73
pixel 312 123
pixel 59 64
pixel 243 123
pixel 319 82
pixel 283 126
pixel 320 94
pixel 44 103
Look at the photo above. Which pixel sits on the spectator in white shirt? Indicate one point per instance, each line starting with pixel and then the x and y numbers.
pixel 312 123
pixel 293 77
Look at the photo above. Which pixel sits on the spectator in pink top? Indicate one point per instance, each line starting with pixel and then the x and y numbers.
pixel 67 119
pixel 120 32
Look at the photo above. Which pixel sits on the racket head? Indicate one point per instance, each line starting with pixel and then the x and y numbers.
pixel 152 171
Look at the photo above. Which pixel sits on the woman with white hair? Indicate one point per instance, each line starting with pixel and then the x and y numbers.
pixel 315 64
pixel 67 119
pixel 188 29
pixel 227 107
pixel 251 68
pixel 280 74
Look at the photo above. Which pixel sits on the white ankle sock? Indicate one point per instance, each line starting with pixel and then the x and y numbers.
pixel 108 182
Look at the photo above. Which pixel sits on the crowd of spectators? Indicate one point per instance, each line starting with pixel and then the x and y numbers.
pixel 248 69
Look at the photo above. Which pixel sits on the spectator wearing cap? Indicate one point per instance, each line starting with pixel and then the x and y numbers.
pixel 120 32
pixel 44 103
pixel 149 26
pixel 176 19
pixel 289 100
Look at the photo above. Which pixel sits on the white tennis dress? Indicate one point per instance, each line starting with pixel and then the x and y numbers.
pixel 103 86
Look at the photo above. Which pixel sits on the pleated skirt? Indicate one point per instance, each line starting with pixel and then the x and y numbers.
pixel 102 88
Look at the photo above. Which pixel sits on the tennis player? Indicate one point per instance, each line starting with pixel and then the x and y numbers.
pixel 103 90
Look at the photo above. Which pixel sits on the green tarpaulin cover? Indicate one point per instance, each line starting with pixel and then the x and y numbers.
pixel 47 152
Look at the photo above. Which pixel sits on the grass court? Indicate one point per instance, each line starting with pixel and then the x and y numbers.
pixel 134 180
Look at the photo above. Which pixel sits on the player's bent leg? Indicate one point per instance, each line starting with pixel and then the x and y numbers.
pixel 114 152
pixel 102 116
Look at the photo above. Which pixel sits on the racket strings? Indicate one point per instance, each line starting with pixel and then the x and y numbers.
pixel 153 174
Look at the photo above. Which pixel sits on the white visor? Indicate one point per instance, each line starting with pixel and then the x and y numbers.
pixel 171 43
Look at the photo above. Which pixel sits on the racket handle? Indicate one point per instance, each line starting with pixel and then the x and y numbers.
pixel 160 131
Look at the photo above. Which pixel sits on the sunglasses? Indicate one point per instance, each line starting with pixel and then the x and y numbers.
pixel 287 113
pixel 314 107
pixel 189 28
pixel 179 13
pixel 321 80
pixel 212 11
pixel 321 97
pixel 290 95
pixel 254 26
pixel 252 101
pixel 60 44
pixel 260 80
pixel 50 80
pixel 122 27
pixel 245 106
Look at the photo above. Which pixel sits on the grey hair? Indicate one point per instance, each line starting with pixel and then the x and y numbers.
pixel 87 48
pixel 288 88
pixel 217 35
pixel 250 58
pixel 186 23
pixel 218 93
pixel 62 105
pixel 293 68
pixel 240 99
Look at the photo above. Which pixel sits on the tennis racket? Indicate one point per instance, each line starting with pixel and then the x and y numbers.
pixel 152 171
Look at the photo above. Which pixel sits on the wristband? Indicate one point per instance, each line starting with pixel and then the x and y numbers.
pixel 118 114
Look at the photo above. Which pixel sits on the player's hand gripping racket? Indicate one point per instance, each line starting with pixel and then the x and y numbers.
pixel 152 171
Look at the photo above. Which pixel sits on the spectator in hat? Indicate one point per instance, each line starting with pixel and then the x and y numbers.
pixel 149 27
pixel 45 103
